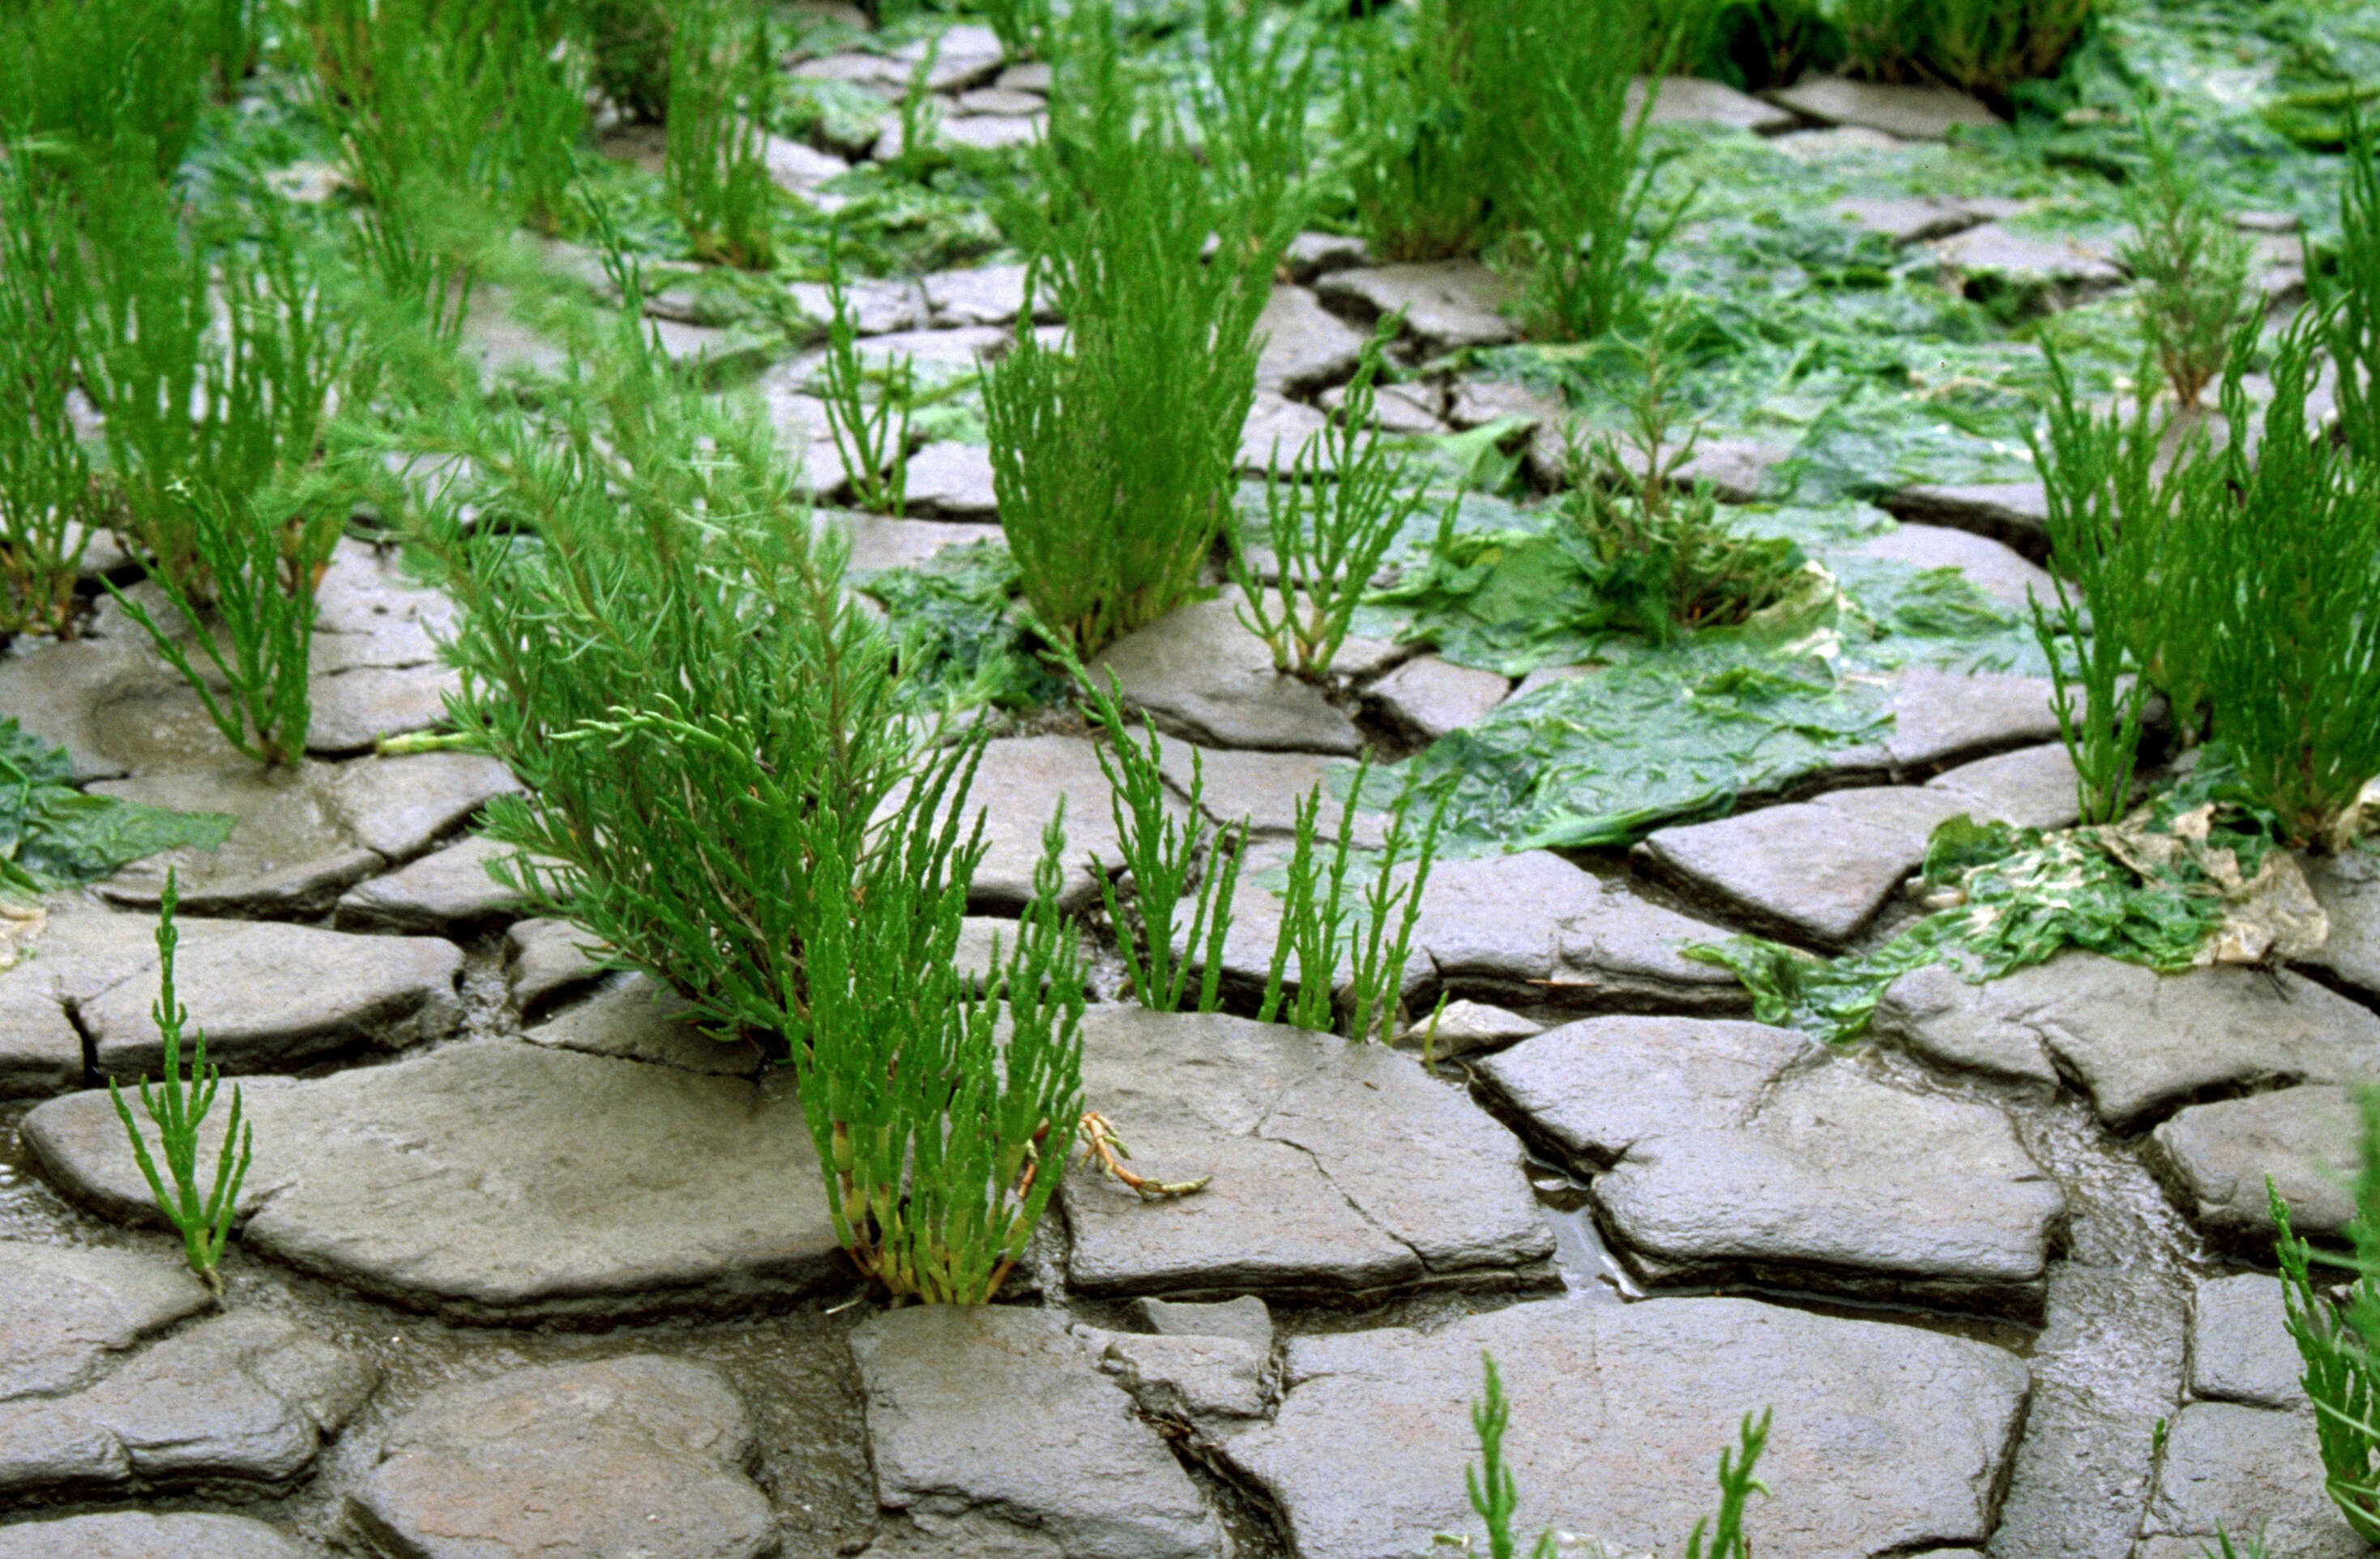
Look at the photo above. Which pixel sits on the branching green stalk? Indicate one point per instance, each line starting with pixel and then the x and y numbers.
pixel 1736 1486
pixel 1316 915
pixel 1162 853
pixel 1495 1494
pixel 1377 981
pixel 921 116
pixel 2342 1375
pixel 873 444
pixel 2188 264
pixel 178 1108
pixel 1332 519
pixel 263 564
pixel 1311 923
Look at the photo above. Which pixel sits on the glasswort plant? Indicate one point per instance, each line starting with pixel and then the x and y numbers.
pixel 178 1108
pixel 1162 853
pixel 1112 456
pixel 263 556
pixel 1331 521
pixel 2350 299
pixel 874 445
pixel 47 507
pixel 2342 1377
pixel 717 165
pixel 2190 265
pixel 2293 662
pixel 1316 916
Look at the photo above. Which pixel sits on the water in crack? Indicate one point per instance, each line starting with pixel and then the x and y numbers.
pixel 2111 1360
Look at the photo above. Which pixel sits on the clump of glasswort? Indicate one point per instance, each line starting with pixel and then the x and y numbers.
pixel 2293 662
pixel 148 350
pixel 2350 298
pixel 1981 47
pixel 2236 586
pixel 1112 454
pixel 717 165
pixel 178 1108
pixel 1510 121
pixel 48 508
pixel 728 787
pixel 436 99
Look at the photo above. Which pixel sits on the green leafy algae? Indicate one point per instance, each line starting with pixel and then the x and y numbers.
pixel 963 636
pixel 2154 890
pixel 53 835
pixel 1643 733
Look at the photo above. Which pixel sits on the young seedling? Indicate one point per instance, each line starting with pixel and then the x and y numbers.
pixel 178 1108
pixel 1667 560
pixel 1495 1493
pixel 263 565
pixel 2189 265
pixel 1331 520
pixel 1736 1486
pixel 873 444
pixel 1163 851
pixel 1496 1496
